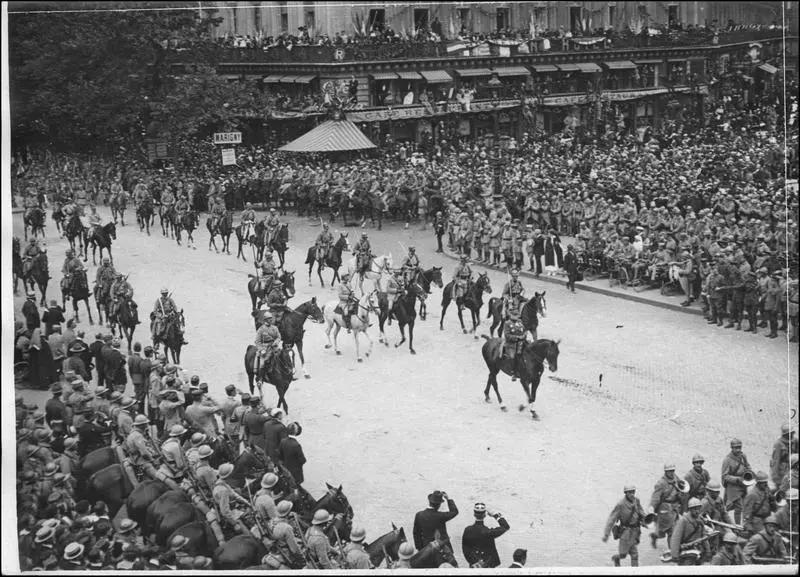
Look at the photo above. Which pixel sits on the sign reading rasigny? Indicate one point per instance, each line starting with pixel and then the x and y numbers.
pixel 227 138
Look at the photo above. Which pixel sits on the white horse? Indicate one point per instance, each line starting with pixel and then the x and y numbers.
pixel 359 322
pixel 378 266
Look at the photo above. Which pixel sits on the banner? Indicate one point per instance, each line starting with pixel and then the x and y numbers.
pixel 228 156
pixel 588 41
pixel 227 138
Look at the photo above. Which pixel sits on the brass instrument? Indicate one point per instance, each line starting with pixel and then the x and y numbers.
pixel 682 486
pixel 749 478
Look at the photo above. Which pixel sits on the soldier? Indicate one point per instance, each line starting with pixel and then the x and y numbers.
pixel 697 478
pixel 347 300
pixel 687 531
pixel 462 278
pixel 55 411
pixel 264 499
pixel 192 451
pixel 730 554
pixel 236 422
pixel 734 466
pixel 766 544
pixel 512 289
pixel 72 267
pixel 439 224
pixel 181 208
pixel 248 220
pixel 758 504
pixel 163 310
pixel 405 553
pixel 513 335
pixel 205 474
pixel 355 557
pixel 227 499
pixel 323 243
pixel 200 416
pixel 783 447
pixel 276 301
pixel 139 447
pixel 268 344
pixel 319 548
pixel 272 224
pixel 254 423
pixel 171 448
pixel 283 535
pixel 121 291
pixel 29 255
pixel 666 503
pixel 363 252
pixel 227 407
pixel 431 520
pixel 266 272
pixel 410 266
pixel 69 460
pixel 478 541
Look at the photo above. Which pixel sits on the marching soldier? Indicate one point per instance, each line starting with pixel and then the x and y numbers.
pixel 666 503
pixel 697 478
pixel 758 504
pixel 630 515
pixel 355 557
pixel 687 531
pixel 734 466
pixel 478 541
pixel 766 544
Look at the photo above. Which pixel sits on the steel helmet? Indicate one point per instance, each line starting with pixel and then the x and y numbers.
pixel 140 420
pixel 321 517
pixel 694 502
pixel 225 470
pixel 269 480
pixel 771 520
pixel 204 452
pixel 713 486
pixel 198 438
pixel 178 542
pixel 406 551
pixel 698 459
pixel 358 534
pixel 284 507
pixel 628 488
pixel 729 537
pixel 176 430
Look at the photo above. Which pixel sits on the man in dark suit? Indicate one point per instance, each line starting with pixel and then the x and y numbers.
pixel 114 364
pixel 274 432
pixel 477 544
pixel 291 453
pixel 431 520
pixel 537 252
pixel 520 556
pixel 137 375
pixel 31 312
pixel 95 349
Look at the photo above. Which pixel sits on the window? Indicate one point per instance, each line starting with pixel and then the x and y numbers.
pixel 575 19
pixel 465 19
pixel 377 20
pixel 612 17
pixel 310 20
pixel 257 17
pixel 672 17
pixel 284 22
pixel 421 18
pixel 503 19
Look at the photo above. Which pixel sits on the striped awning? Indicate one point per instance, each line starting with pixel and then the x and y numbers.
pixel 512 71
pixel 569 68
pixel 545 68
pixel 273 78
pixel 589 67
pixel 472 72
pixel 768 68
pixel 409 75
pixel 436 76
pixel 384 76
pixel 305 79
pixel 330 136
pixel 620 65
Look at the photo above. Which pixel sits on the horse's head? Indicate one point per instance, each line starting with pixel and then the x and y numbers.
pixel 483 284
pixel 540 303
pixel 287 278
pixel 551 355
pixel 311 310
pixel 111 229
pixel 436 276
pixel 335 501
pixel 258 458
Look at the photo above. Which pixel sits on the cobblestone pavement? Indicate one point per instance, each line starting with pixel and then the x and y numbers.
pixel 395 427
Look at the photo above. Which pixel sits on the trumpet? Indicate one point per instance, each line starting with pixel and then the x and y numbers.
pixel 748 479
pixel 682 485
pixel 779 497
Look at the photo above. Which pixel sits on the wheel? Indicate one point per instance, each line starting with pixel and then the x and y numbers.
pixel 589 274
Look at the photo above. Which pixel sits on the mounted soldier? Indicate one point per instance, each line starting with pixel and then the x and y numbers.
pixel 93 221
pixel 272 224
pixel 181 208
pixel 217 210
pixel 395 285
pixel 163 311
pixel 105 276
pixel 267 342
pixel 72 266
pixel 167 199
pixel 323 243
pixel 248 220
pixel 462 278
pixel 30 202
pixel 363 252
pixel 81 200
pixel 266 274
pixel 513 289
pixel 410 266
pixel 276 301
pixel 347 300
pixel 29 255
pixel 121 290
pixel 514 332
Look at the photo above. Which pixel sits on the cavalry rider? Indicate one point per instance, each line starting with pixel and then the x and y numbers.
pixel 167 199
pixel 276 301
pixel 267 342
pixel 513 289
pixel 182 207
pixel 266 273
pixel 164 309
pixel 514 332
pixel 94 220
pixel 72 265
pixel 140 191
pixel 29 255
pixel 30 202
pixel 461 279
pixel 217 211
pixel 347 300
pixel 273 224
pixel 105 276
pixel 228 501
pixel 121 290
pixel 410 265
pixel 323 243
pixel 248 221
pixel 363 254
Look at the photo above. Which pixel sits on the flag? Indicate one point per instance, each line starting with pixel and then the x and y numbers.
pixel 452 27
pixel 532 27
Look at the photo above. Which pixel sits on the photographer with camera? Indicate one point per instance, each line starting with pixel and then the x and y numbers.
pixel 477 543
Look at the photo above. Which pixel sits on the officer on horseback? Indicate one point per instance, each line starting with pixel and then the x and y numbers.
pixel 182 207
pixel 167 199
pixel 347 300
pixel 121 290
pixel 105 276
pixel 218 211
pixel 395 285
pixel 323 243
pixel 410 265
pixel 462 279
pixel 272 223
pixel 267 342
pixel 30 202
pixel 267 272
pixel 276 301
pixel 248 221
pixel 514 332
pixel 363 254
pixel 29 255
pixel 513 289
pixel 164 310
pixel 72 266
pixel 94 221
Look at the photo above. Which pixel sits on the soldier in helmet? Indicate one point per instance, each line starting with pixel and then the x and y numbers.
pixel 229 501
pixel 631 518
pixel 688 530
pixel 666 503
pixel 323 243
pixel 766 544
pixel 272 224
pixel 355 556
pixel 461 279
pixel 363 252
pixel 267 343
pixel 276 301
pixel 105 276
pixel 347 300
pixel 734 466
pixel 248 220
pixel 163 310
pixel 730 554
pixel 697 478
pixel 72 266
pixel 410 266
pixel 266 272
pixel 758 504
pixel 140 448
pixel 514 333
pixel 121 291
pixel 283 534
pixel 319 548
pixel 512 289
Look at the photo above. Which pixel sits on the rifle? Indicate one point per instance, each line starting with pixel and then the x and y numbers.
pixel 708 519
pixel 255 513
pixel 340 548
pixel 773 560
pixel 306 554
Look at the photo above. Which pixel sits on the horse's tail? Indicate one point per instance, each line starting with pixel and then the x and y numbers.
pixel 487 337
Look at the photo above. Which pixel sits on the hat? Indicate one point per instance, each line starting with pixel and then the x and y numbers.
pixel 269 480
pixel 284 507
pixel 321 517
pixel 771 520
pixel 77 347
pixel 358 534
pixel 713 486
pixel 198 438
pixel 225 470
pixel 70 442
pixel 170 368
pixel 127 525
pixel 436 498
pixel 177 430
pixel 735 443
pixel 127 402
pixel 729 537
pixel 669 467
pixel 23 434
pixel 628 488
pixel 204 452
pixel 406 551
pixel 56 388
pixel 116 396
pixel 73 551
pixel 698 459
pixel 45 534
pixel 694 502
pixel 762 477
pixel 141 420
pixel 50 469
pixel 230 388
pixel 178 542
pixel 255 399
pixel 786 428
pixel 479 510
pixel 100 391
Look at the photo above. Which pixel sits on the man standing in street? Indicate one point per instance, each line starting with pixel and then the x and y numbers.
pixel 478 543
pixel 431 520
pixel 136 372
pixel 734 466
pixel 630 515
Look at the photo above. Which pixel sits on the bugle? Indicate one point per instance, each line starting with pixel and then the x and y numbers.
pixel 682 485
pixel 748 479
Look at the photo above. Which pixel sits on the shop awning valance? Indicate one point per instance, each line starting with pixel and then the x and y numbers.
pixel 545 68
pixel 620 65
pixel 288 79
pixel 384 76
pixel 768 68
pixel 409 75
pixel 512 71
pixel 436 76
pixel 273 78
pixel 589 67
pixel 330 136
pixel 472 72
pixel 305 78
pixel 569 68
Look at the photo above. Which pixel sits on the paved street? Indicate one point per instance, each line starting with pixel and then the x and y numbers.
pixel 392 429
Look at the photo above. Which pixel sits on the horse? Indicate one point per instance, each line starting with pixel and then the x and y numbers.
pixel 141 499
pixel 252 239
pixel 425 279
pixel 111 485
pixel 336 503
pixel 77 290
pixel 101 237
pixel 223 228
pixel 144 214
pixel 74 229
pixel 333 259
pixel 280 242
pixel 118 204
pixel 240 552
pixel 172 339
pixel 127 318
pixel 259 295
pixel 533 307
pixel 291 326
pixel 432 555
pixel 58 218
pixel 90 464
pixel 250 463
pixel 188 221
pixel 377 267
pixel 404 311
pixel 279 374
pixel 38 274
pixel 35 221
pixel 530 362
pixel 386 547
pixel 166 216
pixel 16 263
pixel 359 322
pixel 473 300
pixel 200 536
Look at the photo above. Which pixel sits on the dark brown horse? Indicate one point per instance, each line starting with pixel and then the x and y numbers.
pixel 473 300
pixel 291 326
pixel 332 260
pixel 38 275
pixel 77 290
pixel 35 221
pixel 404 311
pixel 531 309
pixel 101 237
pixel 529 364
pixel 279 374
pixel 223 228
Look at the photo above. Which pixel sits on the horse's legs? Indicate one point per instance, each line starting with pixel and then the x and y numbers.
pixel 328 333
pixel 497 391
pixel 310 270
pixel 299 345
pixel 320 266
pixel 336 330
pixel 335 276
pixel 445 304
pixel 88 311
pixel 461 317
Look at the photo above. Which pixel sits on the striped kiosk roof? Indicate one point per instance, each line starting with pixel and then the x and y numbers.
pixel 330 136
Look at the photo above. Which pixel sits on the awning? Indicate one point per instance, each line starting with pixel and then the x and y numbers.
pixel 436 76
pixel 472 72
pixel 768 68
pixel 305 79
pixel 273 78
pixel 512 71
pixel 384 76
pixel 650 61
pixel 569 68
pixel 330 136
pixel 545 68
pixel 288 79
pixel 589 67
pixel 230 76
pixel 620 65
pixel 410 75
